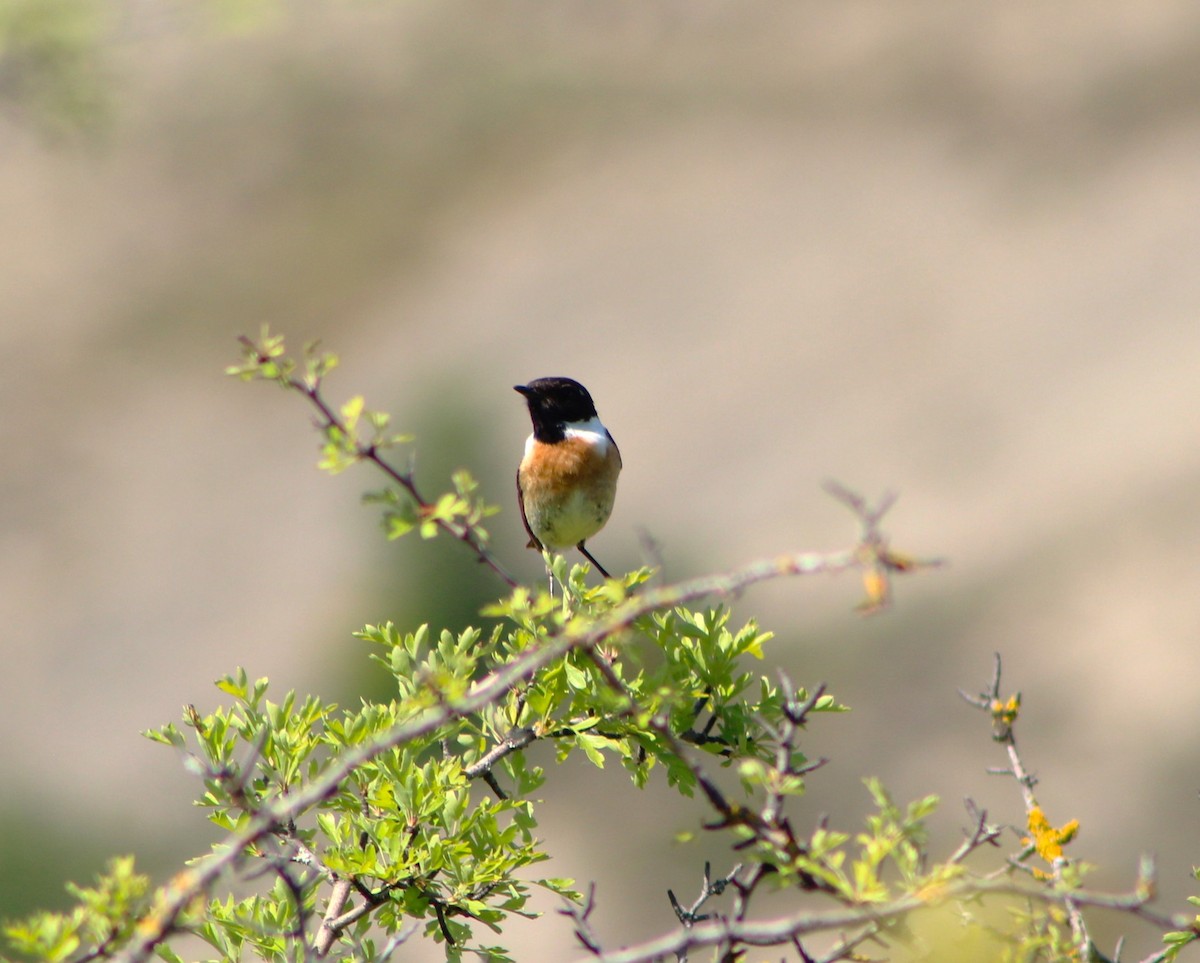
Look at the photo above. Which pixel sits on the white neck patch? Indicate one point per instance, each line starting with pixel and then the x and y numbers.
pixel 592 431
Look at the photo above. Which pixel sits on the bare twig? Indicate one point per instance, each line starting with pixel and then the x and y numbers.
pixel 877 561
pixel 581 917
pixel 691 915
pixel 783 930
pixel 982 833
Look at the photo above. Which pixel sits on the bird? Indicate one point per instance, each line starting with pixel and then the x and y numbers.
pixel 567 479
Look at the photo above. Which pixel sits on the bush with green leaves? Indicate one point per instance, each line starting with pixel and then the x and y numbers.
pixel 353 832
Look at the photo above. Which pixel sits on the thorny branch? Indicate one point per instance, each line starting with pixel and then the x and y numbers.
pixel 179 893
pixel 691 915
pixel 767 826
pixel 581 917
pixel 1048 842
pixel 728 933
pixel 784 930
pixel 877 563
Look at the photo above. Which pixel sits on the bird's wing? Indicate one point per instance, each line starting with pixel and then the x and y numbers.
pixel 533 540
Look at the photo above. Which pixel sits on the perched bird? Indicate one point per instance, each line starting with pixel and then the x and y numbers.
pixel 567 480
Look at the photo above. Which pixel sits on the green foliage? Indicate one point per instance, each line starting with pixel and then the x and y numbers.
pixel 1176 940
pixel 350 830
pixel 104 917
pixel 408 823
pixel 353 434
pixel 418 826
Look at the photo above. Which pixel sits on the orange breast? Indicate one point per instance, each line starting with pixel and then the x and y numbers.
pixel 568 490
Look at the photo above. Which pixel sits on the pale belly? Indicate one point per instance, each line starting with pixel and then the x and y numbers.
pixel 570 495
pixel 565 522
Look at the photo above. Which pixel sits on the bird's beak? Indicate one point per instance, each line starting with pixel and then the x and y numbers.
pixel 522 389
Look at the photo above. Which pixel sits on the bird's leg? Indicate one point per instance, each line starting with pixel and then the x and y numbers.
pixel 548 559
pixel 588 555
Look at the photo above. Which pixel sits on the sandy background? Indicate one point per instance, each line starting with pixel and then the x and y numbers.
pixel 948 249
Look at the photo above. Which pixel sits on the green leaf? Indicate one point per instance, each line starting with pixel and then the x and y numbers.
pixel 592 746
pixel 351 411
pixel 577 679
pixel 235 685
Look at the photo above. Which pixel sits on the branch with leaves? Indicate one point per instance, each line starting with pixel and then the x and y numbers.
pixel 353 831
pixel 458 513
pixel 1062 880
pixel 1052 927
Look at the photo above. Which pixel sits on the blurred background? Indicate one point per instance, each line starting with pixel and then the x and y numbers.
pixel 947 249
